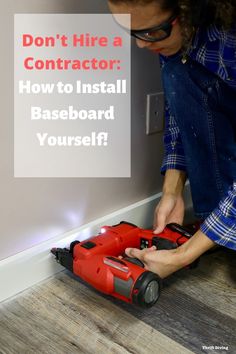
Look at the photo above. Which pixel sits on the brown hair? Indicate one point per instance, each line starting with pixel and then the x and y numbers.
pixel 195 13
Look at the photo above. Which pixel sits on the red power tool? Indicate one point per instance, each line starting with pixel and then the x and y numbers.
pixel 97 261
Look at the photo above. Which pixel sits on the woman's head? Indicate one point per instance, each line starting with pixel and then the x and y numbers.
pixel 146 14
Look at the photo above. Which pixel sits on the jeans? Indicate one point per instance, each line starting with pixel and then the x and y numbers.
pixel 204 108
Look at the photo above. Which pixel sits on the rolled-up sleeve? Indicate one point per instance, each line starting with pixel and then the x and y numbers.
pixel 220 226
pixel 174 153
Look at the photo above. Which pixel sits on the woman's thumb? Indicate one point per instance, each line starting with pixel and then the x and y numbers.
pixel 160 223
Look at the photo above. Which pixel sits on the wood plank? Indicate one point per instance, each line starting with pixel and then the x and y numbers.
pixel 213 282
pixel 189 322
pixel 198 307
pixel 64 316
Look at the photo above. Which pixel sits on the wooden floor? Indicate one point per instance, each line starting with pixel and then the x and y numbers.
pixel 63 316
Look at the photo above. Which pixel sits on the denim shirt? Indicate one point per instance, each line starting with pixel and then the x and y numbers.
pixel 216 50
pixel 200 129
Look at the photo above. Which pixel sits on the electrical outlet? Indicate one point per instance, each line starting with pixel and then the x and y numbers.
pixel 155 113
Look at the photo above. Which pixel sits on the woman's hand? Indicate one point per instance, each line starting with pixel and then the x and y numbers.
pixel 170 209
pixel 171 206
pixel 166 262
pixel 162 262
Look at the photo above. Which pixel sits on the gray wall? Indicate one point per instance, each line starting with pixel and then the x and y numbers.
pixel 34 210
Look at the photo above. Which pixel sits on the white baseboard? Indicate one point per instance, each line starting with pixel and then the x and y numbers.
pixel 35 264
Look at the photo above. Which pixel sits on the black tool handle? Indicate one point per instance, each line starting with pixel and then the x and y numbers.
pixel 180 229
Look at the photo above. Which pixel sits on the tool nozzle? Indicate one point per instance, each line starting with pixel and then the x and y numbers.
pixel 54 251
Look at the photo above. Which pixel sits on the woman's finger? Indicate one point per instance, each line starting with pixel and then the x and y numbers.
pixel 134 253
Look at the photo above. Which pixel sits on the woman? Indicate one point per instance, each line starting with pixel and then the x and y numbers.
pixel 196 41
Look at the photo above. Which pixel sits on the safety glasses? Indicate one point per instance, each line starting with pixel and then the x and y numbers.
pixel 157 33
